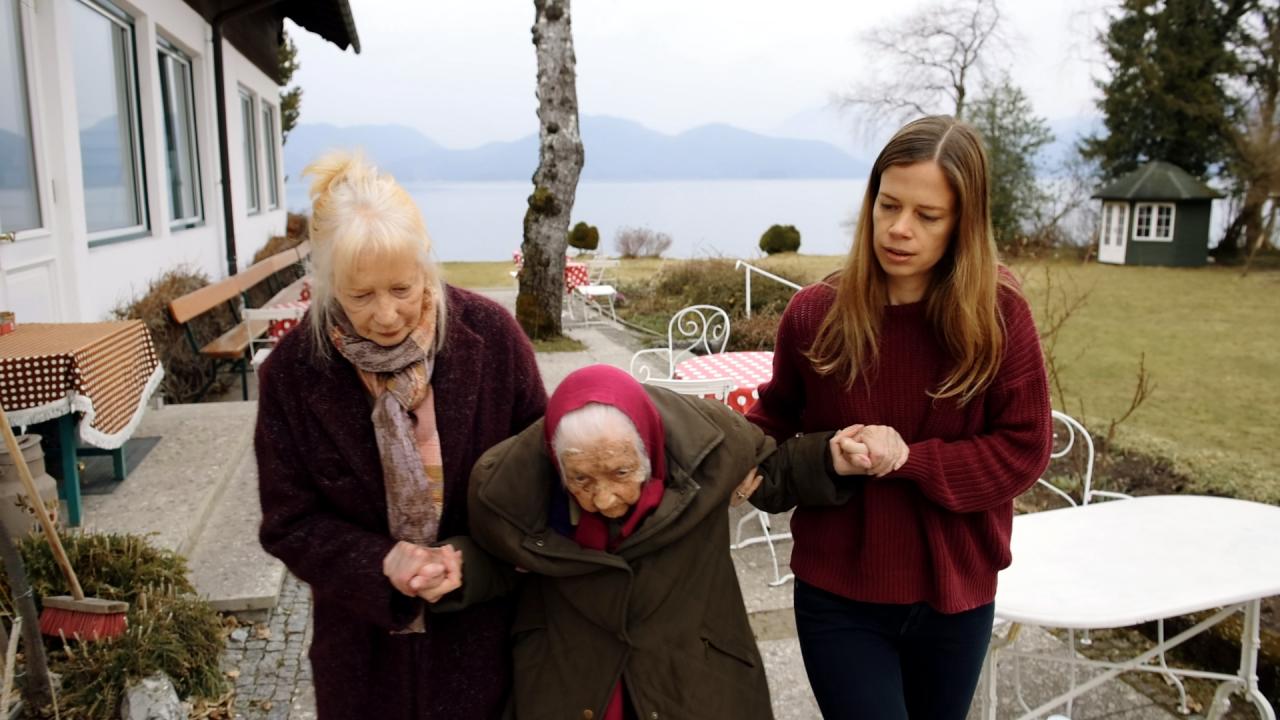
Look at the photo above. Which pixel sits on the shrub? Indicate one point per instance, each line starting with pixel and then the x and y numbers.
pixel 711 281
pixel 780 239
pixel 185 371
pixel 584 237
pixel 170 629
pixel 632 242
pixel 295 232
pixel 757 332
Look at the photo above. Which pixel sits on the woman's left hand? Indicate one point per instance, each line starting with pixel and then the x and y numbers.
pixel 885 447
pixel 746 487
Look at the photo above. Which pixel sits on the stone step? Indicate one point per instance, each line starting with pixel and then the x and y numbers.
pixel 228 566
pixel 171 494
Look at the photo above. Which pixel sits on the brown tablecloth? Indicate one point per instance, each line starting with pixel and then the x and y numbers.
pixel 105 370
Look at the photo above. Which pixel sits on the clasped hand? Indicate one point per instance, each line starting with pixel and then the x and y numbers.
pixel 426 572
pixel 875 450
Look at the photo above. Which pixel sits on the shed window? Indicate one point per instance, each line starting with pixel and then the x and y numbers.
pixel 1153 221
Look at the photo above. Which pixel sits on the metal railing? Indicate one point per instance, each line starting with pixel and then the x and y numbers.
pixel 742 264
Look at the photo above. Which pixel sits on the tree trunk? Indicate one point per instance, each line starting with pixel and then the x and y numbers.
pixel 555 182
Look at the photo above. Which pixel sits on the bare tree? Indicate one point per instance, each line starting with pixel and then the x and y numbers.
pixel 926 62
pixel 555 182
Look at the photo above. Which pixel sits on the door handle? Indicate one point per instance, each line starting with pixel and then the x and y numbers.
pixel 7 237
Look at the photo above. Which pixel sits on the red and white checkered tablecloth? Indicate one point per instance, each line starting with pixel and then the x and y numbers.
pixel 278 328
pixel 748 369
pixel 575 273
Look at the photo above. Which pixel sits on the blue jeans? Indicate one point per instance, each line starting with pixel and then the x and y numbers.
pixel 889 662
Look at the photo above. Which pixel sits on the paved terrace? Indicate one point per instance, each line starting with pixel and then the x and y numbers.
pixel 196 492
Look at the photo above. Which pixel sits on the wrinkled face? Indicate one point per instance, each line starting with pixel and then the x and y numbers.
pixel 382 296
pixel 912 222
pixel 605 477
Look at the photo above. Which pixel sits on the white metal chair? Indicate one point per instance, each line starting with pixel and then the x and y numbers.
pixel 715 388
pixel 695 330
pixel 599 289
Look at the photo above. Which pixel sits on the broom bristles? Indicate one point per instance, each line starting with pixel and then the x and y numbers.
pixel 82 626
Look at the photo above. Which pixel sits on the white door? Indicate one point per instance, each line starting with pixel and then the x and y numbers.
pixel 1115 231
pixel 29 278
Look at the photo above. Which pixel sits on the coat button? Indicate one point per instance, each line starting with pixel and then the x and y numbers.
pixel 540 542
pixel 653 715
pixel 587 714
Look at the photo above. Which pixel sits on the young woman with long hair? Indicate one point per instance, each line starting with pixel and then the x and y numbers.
pixel 924 353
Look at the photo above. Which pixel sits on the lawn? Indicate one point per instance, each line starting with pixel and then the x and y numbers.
pixel 1211 342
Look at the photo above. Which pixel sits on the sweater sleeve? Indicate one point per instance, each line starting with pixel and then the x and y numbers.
pixel 337 558
pixel 990 469
pixel 781 400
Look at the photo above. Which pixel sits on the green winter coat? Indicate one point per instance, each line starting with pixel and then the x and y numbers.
pixel 664 612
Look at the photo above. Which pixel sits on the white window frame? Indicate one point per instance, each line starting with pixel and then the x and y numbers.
pixel 180 61
pixel 271 158
pixel 1154 209
pixel 44 184
pixel 252 174
pixel 126 21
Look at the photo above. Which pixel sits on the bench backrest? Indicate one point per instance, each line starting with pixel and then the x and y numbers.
pixel 198 302
pixel 303 249
pixel 249 278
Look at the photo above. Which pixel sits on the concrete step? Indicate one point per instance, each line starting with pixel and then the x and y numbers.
pixel 228 566
pixel 172 493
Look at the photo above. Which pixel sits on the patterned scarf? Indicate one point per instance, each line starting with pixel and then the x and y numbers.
pixel 399 378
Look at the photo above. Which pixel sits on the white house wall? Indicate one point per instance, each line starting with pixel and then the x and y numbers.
pixel 88 282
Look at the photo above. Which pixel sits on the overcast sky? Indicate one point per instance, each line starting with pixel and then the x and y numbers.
pixel 463 72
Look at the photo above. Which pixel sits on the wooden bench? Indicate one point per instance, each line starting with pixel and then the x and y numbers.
pixel 195 311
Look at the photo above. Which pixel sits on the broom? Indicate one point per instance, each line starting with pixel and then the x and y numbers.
pixel 75 616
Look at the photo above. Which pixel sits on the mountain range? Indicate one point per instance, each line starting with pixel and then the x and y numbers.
pixel 616 149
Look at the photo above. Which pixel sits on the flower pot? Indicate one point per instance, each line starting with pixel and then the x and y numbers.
pixel 15 507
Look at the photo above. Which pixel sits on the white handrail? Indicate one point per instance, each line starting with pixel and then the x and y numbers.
pixel 752 268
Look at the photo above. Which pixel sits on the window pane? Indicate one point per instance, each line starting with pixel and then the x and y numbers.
pixel 180 140
pixel 19 199
pixel 1164 222
pixel 252 197
pixel 1142 227
pixel 273 166
pixel 105 100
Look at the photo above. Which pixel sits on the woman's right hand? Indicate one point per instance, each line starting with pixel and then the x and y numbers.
pixel 411 567
pixel 848 456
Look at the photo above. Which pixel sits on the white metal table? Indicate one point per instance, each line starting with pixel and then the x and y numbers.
pixel 1124 562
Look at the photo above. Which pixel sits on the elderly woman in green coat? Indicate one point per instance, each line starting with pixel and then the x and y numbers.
pixel 614 505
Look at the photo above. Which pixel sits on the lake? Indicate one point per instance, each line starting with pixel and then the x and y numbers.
pixel 705 218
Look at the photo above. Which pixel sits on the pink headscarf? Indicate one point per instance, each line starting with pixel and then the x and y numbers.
pixel 609 385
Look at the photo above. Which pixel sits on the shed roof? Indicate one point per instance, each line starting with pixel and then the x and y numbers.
pixel 1157 180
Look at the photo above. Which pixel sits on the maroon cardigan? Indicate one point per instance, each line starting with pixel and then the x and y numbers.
pixel 325 515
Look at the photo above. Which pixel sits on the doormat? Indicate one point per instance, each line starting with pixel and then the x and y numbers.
pixel 98 477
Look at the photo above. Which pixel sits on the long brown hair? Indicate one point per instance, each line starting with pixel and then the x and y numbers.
pixel 961 299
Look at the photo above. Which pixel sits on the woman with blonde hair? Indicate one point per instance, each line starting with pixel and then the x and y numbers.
pixel 924 349
pixel 370 417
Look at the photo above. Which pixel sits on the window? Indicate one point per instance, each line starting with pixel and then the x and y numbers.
pixel 178 102
pixel 252 196
pixel 1153 221
pixel 273 164
pixel 19 195
pixel 107 111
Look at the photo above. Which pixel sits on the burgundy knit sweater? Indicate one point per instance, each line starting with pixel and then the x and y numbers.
pixel 937 530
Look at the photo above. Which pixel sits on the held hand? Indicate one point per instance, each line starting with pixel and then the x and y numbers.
pixel 886 448
pixel 746 487
pixel 407 561
pixel 431 587
pixel 848 456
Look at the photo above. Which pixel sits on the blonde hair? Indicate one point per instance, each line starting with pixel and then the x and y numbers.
pixel 961 299
pixel 585 426
pixel 357 211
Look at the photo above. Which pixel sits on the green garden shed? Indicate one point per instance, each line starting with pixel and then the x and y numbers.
pixel 1155 215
